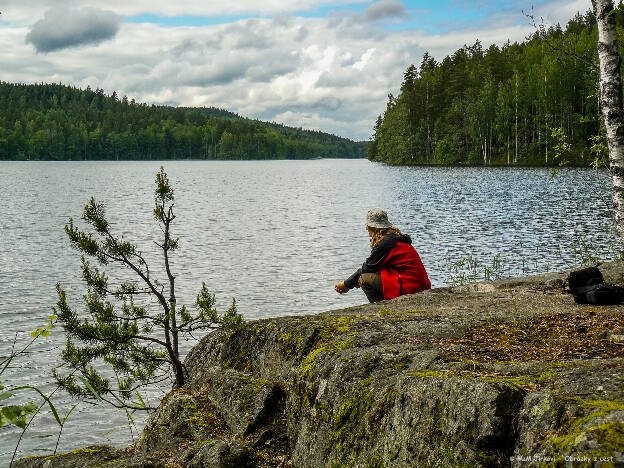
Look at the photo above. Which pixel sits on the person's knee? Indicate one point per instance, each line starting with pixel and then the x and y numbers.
pixel 371 286
pixel 370 281
pixel 366 280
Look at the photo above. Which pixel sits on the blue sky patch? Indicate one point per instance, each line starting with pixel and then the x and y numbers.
pixel 436 17
pixel 186 20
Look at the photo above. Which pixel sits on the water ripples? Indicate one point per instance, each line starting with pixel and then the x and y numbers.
pixel 275 235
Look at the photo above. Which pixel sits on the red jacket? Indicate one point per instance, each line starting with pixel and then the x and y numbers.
pixel 402 272
pixel 401 269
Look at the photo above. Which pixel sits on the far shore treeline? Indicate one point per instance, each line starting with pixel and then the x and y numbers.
pixel 498 106
pixel 58 122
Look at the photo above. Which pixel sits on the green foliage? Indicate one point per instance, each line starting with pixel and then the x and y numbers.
pixel 45 330
pixel 17 414
pixel 56 122
pixel 608 435
pixel 128 336
pixel 497 106
pixel 469 270
pixel 561 147
pixel 599 148
pixel 205 305
pixel 585 251
pixel 231 319
pixel 22 415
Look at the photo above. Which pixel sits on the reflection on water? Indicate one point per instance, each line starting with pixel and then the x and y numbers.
pixel 276 235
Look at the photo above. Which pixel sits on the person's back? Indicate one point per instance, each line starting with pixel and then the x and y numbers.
pixel 402 271
pixel 393 268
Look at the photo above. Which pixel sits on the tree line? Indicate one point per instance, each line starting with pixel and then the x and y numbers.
pixel 498 106
pixel 58 122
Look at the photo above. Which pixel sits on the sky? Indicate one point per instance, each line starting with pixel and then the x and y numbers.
pixel 318 64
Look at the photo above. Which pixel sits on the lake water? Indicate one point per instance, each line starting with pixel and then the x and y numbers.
pixel 275 235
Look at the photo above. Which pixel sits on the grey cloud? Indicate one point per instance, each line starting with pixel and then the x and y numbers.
pixel 336 79
pixel 222 74
pixel 265 73
pixel 259 68
pixel 252 41
pixel 361 26
pixel 282 20
pixel 61 28
pixel 193 64
pixel 302 34
pixel 196 49
pixel 385 9
pixel 249 35
pixel 327 106
pixel 337 18
pixel 361 31
pixel 347 61
pixel 328 103
pixel 244 51
pixel 186 47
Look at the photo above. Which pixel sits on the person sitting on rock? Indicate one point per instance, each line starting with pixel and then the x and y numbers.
pixel 393 268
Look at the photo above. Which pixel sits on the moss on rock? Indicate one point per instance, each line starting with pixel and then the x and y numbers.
pixel 345 429
pixel 453 377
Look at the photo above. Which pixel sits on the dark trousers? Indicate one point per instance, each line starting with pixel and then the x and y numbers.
pixel 372 286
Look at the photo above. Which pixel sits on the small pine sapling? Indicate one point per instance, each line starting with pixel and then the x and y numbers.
pixel 129 335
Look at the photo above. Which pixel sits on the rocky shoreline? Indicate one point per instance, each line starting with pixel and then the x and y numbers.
pixel 503 373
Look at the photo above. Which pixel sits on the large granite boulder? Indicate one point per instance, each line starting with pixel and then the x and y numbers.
pixel 504 373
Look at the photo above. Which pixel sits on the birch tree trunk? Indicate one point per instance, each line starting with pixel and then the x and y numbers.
pixel 516 153
pixel 611 104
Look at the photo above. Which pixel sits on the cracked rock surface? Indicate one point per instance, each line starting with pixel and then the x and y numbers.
pixel 509 372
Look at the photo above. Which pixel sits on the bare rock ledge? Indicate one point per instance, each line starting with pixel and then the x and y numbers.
pixel 503 373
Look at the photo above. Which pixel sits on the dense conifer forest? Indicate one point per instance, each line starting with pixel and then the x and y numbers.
pixel 57 122
pixel 499 106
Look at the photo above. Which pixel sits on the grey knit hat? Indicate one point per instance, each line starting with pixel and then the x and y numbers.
pixel 378 219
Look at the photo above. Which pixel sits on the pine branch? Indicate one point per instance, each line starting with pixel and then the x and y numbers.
pixel 119 332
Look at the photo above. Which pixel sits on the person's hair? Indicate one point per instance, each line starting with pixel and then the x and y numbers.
pixel 377 234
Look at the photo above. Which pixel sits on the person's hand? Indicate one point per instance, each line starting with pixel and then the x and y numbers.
pixel 341 288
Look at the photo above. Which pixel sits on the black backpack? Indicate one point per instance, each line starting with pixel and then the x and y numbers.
pixel 587 286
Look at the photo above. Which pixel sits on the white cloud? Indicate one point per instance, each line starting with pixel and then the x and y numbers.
pixel 328 73
pixel 561 11
pixel 22 13
pixel 366 56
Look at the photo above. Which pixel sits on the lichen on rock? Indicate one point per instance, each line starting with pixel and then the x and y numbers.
pixel 492 374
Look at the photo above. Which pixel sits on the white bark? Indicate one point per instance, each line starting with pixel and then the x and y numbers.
pixel 516 153
pixel 611 104
pixel 508 156
pixel 546 116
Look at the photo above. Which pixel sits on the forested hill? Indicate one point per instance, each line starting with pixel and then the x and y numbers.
pixel 58 122
pixel 498 106
pixel 311 136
